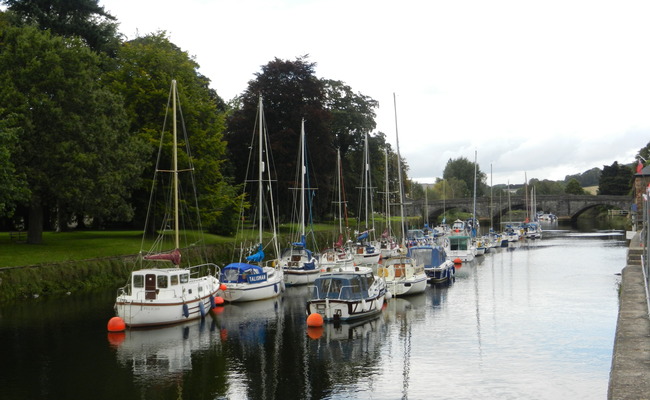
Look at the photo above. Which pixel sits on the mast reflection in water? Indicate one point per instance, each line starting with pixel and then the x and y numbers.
pixel 536 320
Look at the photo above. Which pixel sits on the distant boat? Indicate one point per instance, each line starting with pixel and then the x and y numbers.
pixel 344 294
pixel 252 278
pixel 161 296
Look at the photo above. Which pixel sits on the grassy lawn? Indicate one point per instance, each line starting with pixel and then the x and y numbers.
pixel 82 245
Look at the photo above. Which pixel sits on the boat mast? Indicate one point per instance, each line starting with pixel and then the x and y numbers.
pixel 175 167
pixel 387 190
pixel 260 183
pixel 399 173
pixel 474 207
pixel 303 171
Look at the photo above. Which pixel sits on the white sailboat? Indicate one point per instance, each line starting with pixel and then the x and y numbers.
pixel 365 250
pixel 252 278
pixel 402 274
pixel 298 262
pixel 162 296
pixel 338 255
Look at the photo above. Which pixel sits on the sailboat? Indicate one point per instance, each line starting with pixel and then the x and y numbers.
pixel 162 296
pixel 364 249
pixel 298 262
pixel 338 255
pixel 403 275
pixel 251 277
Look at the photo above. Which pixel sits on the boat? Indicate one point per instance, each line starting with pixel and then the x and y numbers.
pixel 388 244
pixel 338 255
pixel 252 277
pixel 180 291
pixel 461 247
pixel 403 275
pixel 344 294
pixel 299 265
pixel 364 249
pixel 437 266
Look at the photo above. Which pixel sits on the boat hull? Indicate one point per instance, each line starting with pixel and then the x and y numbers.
pixel 298 276
pixel 241 292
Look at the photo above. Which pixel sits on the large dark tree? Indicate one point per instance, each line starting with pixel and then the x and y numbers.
pixel 85 19
pixel 290 92
pixel 73 147
pixel 615 180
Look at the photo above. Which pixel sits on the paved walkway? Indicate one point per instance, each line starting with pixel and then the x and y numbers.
pixel 630 374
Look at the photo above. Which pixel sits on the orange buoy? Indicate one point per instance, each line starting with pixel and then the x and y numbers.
pixel 458 261
pixel 116 324
pixel 223 287
pixel 314 320
pixel 315 332
pixel 218 301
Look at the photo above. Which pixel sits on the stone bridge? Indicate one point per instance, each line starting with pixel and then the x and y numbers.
pixel 568 207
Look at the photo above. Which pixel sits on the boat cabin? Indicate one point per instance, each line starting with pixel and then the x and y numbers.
pixel 459 243
pixel 342 286
pixel 430 256
pixel 158 282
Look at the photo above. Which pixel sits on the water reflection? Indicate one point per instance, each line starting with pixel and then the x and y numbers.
pixel 164 354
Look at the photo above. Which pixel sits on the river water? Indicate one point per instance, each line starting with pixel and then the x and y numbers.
pixel 534 321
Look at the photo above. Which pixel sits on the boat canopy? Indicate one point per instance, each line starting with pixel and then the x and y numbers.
pixel 341 287
pixel 429 256
pixel 242 272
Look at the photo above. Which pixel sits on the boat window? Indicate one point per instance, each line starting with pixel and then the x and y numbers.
pixel 185 278
pixel 138 281
pixel 174 280
pixel 162 281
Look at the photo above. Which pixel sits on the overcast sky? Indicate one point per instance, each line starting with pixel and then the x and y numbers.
pixel 542 88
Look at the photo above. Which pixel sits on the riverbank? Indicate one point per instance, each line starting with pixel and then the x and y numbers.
pixel 630 373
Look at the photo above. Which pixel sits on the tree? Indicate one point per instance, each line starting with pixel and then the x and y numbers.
pixel 13 185
pixel 615 180
pixel 463 170
pixel 147 66
pixel 85 19
pixel 573 187
pixel 352 115
pixel 588 178
pixel 73 144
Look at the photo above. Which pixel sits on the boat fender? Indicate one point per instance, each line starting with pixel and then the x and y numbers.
pixel 212 304
pixel 202 309
pixel 275 288
pixel 186 311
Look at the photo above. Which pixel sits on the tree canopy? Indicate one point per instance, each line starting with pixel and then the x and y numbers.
pixel 615 180
pixel 463 170
pixel 73 147
pixel 84 19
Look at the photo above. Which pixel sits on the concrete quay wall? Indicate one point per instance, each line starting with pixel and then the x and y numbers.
pixel 630 374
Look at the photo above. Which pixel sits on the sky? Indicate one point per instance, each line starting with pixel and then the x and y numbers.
pixel 536 89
